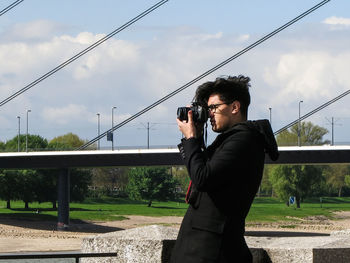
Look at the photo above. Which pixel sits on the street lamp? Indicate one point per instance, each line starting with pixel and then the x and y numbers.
pixel 98 131
pixel 19 132
pixel 112 127
pixel 27 131
pixel 270 109
pixel 299 126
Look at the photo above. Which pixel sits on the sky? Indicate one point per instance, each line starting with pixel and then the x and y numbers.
pixel 309 61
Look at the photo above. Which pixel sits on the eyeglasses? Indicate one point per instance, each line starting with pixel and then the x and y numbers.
pixel 212 108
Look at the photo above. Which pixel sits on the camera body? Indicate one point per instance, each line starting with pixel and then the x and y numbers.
pixel 200 114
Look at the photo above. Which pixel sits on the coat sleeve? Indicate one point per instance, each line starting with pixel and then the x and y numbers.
pixel 230 156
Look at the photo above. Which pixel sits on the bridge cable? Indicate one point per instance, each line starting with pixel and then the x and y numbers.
pixel 261 40
pixel 81 53
pixel 313 112
pixel 10 7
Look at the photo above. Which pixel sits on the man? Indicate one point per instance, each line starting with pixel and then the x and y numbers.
pixel 224 177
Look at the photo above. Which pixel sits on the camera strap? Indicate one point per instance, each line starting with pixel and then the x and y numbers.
pixel 206 135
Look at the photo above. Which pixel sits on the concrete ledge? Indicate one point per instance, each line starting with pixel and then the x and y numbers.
pixel 154 244
pixel 149 244
pixel 317 249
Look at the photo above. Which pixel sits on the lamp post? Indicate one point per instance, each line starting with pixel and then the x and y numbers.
pixel 27 131
pixel 112 127
pixel 299 125
pixel 19 133
pixel 98 131
pixel 270 109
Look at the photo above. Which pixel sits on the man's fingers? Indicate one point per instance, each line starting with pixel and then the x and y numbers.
pixel 190 116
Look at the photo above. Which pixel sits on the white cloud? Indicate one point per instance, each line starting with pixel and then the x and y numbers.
pixel 308 75
pixel 132 74
pixel 66 114
pixel 337 21
pixel 34 30
pixel 243 38
pixel 21 62
pixel 117 53
pixel 84 38
pixel 205 37
pixel 109 57
pixel 312 76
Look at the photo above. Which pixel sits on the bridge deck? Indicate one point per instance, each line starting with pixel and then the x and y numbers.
pixel 148 157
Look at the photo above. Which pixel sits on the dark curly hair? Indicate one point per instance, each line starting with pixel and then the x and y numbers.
pixel 229 89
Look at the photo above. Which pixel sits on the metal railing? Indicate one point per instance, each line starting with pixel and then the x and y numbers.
pixel 76 255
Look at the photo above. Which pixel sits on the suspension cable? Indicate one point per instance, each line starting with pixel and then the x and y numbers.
pixel 313 112
pixel 81 53
pixel 10 7
pixel 261 40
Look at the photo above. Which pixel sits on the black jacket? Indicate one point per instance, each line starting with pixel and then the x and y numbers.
pixel 225 178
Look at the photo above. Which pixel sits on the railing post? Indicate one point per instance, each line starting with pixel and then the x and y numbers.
pixel 63 197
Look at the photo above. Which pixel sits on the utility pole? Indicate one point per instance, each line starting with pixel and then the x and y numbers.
pixel 148 127
pixel 19 133
pixel 332 131
pixel 332 122
pixel 98 130
pixel 27 131
pixel 299 126
pixel 112 134
pixel 147 135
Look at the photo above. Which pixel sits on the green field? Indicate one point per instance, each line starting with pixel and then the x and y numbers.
pixel 270 209
pixel 94 209
pixel 263 209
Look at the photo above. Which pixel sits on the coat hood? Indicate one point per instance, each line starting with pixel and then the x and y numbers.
pixel 264 128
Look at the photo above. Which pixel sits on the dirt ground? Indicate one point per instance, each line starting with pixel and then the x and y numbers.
pixel 26 236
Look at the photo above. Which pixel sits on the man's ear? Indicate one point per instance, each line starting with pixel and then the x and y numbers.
pixel 236 106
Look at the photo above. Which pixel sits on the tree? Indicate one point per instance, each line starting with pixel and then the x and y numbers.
pixel 110 180
pixel 9 190
pixel 20 184
pixel 151 183
pixel 266 186
pixel 80 179
pixel 2 146
pixel 295 180
pixel 68 141
pixel 35 142
pixel 180 174
pixel 31 185
pixel 298 180
pixel 26 186
pixel 46 187
pixel 347 180
pixel 335 176
pixel 310 134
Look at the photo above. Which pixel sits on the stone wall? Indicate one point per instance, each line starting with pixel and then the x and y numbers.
pixel 153 244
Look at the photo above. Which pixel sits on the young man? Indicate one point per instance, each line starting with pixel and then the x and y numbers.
pixel 224 177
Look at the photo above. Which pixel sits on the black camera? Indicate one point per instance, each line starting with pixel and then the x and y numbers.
pixel 199 113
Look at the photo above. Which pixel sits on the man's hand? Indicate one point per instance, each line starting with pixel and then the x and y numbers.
pixel 187 128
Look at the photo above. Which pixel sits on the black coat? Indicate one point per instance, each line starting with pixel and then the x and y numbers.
pixel 225 178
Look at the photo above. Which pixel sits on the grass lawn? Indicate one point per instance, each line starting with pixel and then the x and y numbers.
pixel 264 209
pixel 94 209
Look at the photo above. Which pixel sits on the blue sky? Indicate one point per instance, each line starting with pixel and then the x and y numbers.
pixel 309 61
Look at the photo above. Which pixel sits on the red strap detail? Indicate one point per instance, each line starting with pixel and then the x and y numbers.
pixel 188 192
